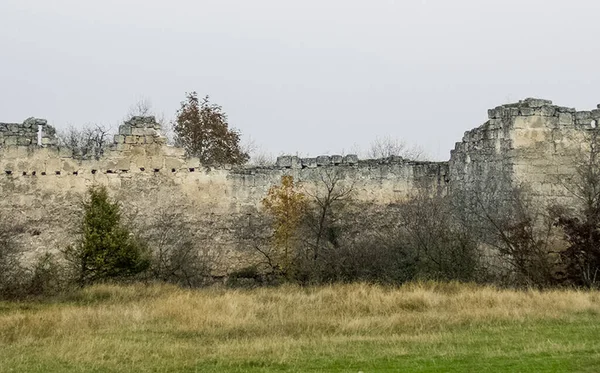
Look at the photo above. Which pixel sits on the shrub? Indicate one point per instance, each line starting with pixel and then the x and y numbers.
pixel 106 250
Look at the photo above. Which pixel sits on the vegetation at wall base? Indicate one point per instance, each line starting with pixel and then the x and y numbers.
pixel 106 250
pixel 417 327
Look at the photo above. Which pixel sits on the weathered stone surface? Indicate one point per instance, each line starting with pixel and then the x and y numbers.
pixel 565 119
pixel 536 102
pixel 337 159
pixel 526 111
pixel 323 160
pixel 548 111
pixel 309 162
pixel 284 161
pixel 125 130
pixel 351 159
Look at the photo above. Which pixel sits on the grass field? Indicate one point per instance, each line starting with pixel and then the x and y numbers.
pixel 341 328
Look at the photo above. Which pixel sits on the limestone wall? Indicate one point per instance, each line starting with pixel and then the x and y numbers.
pixel 532 143
pixel 42 186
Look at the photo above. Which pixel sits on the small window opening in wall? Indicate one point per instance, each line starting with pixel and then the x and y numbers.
pixel 94 172
pixel 192 169
pixel 9 172
pixel 33 173
pixel 43 174
pixel 156 170
pixel 109 171
pixel 24 173
pixel 142 169
pixel 124 171
pixel 57 172
pixel 75 173
pixel 173 170
pixel 593 124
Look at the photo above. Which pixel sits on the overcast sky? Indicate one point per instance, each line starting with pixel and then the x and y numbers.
pixel 309 76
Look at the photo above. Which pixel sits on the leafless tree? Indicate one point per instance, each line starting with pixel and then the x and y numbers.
pixel 385 147
pixel 258 155
pixel 514 226
pixel 176 255
pixel 141 108
pixel 89 142
pixel 580 221
pixel 329 195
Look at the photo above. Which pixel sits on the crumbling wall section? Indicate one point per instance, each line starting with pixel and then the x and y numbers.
pixel 531 143
pixel 31 132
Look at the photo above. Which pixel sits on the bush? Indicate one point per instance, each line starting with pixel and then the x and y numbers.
pixel 106 250
pixel 12 273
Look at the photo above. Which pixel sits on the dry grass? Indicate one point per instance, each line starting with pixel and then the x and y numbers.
pixel 110 327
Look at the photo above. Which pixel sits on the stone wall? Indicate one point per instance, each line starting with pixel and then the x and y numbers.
pixel 532 142
pixel 41 186
pixel 26 133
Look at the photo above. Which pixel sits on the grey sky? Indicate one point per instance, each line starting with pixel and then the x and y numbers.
pixel 310 76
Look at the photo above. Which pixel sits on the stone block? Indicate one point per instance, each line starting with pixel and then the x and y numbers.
pixel 125 130
pixel 595 113
pixel 284 161
pixel 139 131
pixel 296 162
pixel 337 159
pixel 548 111
pixel 536 102
pixel 584 122
pixel 323 160
pixel 309 162
pixel 583 115
pixel 563 109
pixel 526 111
pixel 351 159
pixel 122 147
pixel 129 140
pixel 48 141
pixel 119 139
pixel 29 122
pixel 565 119
pixel 24 141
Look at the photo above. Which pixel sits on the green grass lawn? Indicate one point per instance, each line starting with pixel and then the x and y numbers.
pixel 361 329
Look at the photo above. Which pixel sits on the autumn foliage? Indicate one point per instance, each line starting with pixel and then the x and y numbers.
pixel 286 205
pixel 201 128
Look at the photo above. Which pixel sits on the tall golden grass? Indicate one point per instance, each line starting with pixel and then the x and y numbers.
pixel 160 319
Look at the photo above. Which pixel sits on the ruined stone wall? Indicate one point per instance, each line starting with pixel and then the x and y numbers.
pixel 42 186
pixel 531 143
